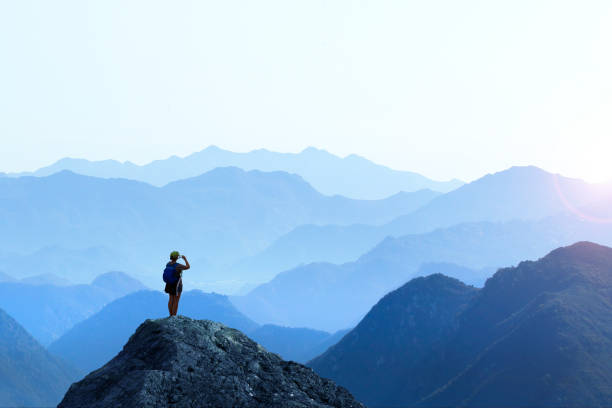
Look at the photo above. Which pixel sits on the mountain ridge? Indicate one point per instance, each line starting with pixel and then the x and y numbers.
pixel 222 216
pixel 184 362
pixel 352 176
pixel 518 193
pixel 342 294
pixel 405 324
pixel 537 334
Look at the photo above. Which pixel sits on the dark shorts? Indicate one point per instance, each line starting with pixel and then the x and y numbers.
pixel 174 288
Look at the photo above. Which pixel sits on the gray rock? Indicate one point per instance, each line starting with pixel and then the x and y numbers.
pixel 181 362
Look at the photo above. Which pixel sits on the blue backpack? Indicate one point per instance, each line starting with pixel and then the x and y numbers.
pixel 170 275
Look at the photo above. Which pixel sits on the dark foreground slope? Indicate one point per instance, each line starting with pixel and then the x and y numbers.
pixel 185 363
pixel 539 334
pixel 29 375
pixel 377 359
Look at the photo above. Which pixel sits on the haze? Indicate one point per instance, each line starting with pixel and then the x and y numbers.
pixel 444 88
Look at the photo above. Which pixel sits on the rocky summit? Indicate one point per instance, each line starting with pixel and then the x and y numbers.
pixel 181 362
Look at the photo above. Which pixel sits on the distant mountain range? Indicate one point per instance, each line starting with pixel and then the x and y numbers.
pixel 54 264
pixel 42 279
pixel 220 216
pixel 29 374
pixel 242 227
pixel 46 279
pixel 539 335
pixel 519 193
pixel 312 243
pixel 352 176
pixel 331 297
pixel 295 344
pixel 46 311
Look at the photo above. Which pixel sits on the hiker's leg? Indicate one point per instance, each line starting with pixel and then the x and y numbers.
pixel 170 304
pixel 177 297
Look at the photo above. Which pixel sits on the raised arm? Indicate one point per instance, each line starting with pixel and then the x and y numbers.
pixel 187 266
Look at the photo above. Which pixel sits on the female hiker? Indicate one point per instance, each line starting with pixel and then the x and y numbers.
pixel 174 282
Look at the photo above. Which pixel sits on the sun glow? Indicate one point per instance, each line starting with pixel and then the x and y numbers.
pixel 589 213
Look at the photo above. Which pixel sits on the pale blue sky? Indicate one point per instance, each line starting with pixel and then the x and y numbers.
pixel 446 88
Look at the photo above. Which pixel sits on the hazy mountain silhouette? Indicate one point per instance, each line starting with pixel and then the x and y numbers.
pixel 46 279
pixel 310 243
pixel 339 295
pixel 117 282
pixel 47 311
pixel 295 344
pixel 71 265
pixel 539 334
pixel 519 193
pixel 352 176
pixel 222 215
pixel 29 375
pixel 94 341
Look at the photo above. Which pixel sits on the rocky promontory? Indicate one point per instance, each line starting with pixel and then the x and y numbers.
pixel 181 362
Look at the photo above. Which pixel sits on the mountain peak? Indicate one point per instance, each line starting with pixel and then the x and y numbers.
pixel 118 282
pixel 518 172
pixel 228 175
pixel 356 157
pixel 532 330
pixel 586 259
pixel 312 149
pixel 530 171
pixel 527 168
pixel 582 261
pixel 409 320
pixel 585 250
pixel 66 173
pixel 188 362
pixel 71 160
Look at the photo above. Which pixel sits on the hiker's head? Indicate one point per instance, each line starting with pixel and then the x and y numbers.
pixel 174 255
